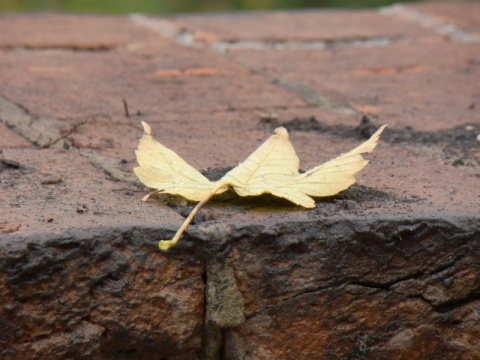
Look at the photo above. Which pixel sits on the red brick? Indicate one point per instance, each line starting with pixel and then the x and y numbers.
pixel 80 186
pixel 195 136
pixel 386 269
pixel 75 32
pixel 10 139
pixel 312 25
pixel 465 15
pixel 403 85
pixel 156 79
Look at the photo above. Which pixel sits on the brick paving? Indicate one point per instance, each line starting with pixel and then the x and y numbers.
pixel 213 87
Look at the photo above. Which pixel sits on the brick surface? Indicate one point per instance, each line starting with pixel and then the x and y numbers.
pixel 387 269
pixel 465 15
pixel 59 211
pixel 74 32
pixel 403 84
pixel 301 25
pixel 194 136
pixel 9 138
pixel 69 193
pixel 160 78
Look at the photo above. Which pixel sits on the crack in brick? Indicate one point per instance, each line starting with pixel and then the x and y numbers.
pixel 427 270
pixel 294 296
pixel 387 285
pixel 66 47
pixel 40 131
pixel 437 307
pixel 308 94
pixel 448 306
pixel 111 166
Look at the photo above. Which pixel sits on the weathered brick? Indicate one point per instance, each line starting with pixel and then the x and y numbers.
pixel 386 269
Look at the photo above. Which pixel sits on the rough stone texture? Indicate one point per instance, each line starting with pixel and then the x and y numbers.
pixel 224 300
pixel 77 277
pixel 99 294
pixel 388 269
pixel 346 293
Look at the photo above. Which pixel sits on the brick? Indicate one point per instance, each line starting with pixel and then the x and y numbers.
pixel 465 15
pixel 312 25
pixel 81 198
pixel 69 218
pixel 403 85
pixel 386 269
pixel 74 32
pixel 9 139
pixel 159 78
pixel 193 135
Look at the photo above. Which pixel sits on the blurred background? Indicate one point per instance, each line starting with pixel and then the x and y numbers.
pixel 174 6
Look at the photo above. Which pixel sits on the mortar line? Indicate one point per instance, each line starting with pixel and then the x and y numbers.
pixel 309 95
pixel 431 22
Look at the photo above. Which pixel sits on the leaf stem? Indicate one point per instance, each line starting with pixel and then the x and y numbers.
pixel 167 244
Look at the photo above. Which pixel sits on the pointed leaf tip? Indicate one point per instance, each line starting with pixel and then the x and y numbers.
pixel 281 131
pixel 163 170
pixel 146 128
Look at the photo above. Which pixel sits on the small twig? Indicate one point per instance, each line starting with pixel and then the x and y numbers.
pixel 125 106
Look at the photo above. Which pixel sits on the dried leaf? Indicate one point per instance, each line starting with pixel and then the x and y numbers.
pixel 162 169
pixel 272 168
pixel 336 175
pixel 268 170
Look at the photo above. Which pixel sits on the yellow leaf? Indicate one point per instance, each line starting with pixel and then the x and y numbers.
pixel 336 175
pixel 162 169
pixel 273 165
pixel 272 168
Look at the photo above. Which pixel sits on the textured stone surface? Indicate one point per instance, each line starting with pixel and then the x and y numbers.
pixel 224 300
pixel 339 292
pixel 388 269
pixel 100 294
